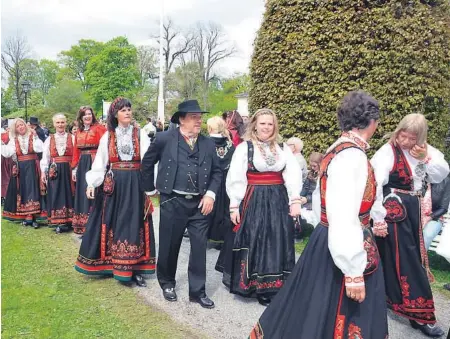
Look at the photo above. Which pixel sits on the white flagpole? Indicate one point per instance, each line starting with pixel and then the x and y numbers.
pixel 161 66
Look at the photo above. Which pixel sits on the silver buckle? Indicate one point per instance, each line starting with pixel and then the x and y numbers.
pixel 188 197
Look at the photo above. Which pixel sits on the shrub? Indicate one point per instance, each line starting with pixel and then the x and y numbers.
pixel 309 53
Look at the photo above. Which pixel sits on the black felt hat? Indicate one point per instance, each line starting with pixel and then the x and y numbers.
pixel 34 121
pixel 188 106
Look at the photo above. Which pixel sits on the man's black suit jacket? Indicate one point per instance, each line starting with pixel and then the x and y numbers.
pixel 164 149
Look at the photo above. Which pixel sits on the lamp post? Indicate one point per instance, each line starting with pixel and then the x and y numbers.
pixel 26 89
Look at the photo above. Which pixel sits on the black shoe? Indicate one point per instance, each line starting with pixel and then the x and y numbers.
pixel 203 301
pixel 139 280
pixel 265 301
pixel 58 230
pixel 430 330
pixel 169 294
pixel 35 225
pixel 186 234
pixel 447 287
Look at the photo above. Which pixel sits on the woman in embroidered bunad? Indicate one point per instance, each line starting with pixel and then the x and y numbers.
pixel 220 221
pixel 86 144
pixel 56 175
pixel 334 290
pixel 22 202
pixel 264 189
pixel 6 163
pixel 119 239
pixel 401 166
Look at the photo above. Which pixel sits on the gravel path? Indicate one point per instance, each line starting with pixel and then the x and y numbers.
pixel 233 316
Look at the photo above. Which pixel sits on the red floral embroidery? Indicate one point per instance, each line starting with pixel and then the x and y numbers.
pixel 373 256
pixel 394 210
pixel 277 283
pixel 354 332
pixel 256 332
pixel 30 207
pixel 61 216
pixel 79 222
pixel 420 309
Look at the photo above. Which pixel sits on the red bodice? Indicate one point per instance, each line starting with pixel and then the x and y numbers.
pixel 369 193
pixel 54 151
pixel 30 146
pixel 89 139
pixel 112 147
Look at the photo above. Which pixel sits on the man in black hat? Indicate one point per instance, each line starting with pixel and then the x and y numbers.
pixel 34 124
pixel 188 178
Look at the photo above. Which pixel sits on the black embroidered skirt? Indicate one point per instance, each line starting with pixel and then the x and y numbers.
pixel 263 249
pixel 220 221
pixel 23 194
pixel 407 287
pixel 82 205
pixel 117 240
pixel 313 302
pixel 60 196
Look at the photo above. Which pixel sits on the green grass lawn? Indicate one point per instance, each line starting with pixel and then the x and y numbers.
pixel 439 266
pixel 44 297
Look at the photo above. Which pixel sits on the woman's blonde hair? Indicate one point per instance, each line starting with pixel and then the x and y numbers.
pixel 12 128
pixel 250 133
pixel 217 124
pixel 413 123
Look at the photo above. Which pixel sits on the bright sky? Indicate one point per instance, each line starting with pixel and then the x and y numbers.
pixel 54 25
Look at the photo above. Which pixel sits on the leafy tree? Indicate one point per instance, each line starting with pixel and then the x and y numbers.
pixel 113 71
pixel 67 97
pixel 309 54
pixel 47 76
pixel 145 103
pixel 222 95
pixel 185 81
pixel 77 57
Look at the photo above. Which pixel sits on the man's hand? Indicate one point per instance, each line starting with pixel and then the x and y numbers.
pixel 206 204
pixel 90 192
pixel 357 293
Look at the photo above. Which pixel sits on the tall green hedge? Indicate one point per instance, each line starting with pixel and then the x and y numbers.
pixel 309 53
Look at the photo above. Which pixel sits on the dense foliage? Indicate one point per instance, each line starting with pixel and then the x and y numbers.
pixel 309 53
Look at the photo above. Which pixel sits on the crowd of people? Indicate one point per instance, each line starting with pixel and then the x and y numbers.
pixel 250 195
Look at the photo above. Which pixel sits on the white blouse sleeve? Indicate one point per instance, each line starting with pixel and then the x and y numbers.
pixel 346 183
pixel 292 174
pixel 38 145
pixel 144 142
pixel 437 168
pixel 382 163
pixel 96 175
pixel 9 149
pixel 45 161
pixel 236 183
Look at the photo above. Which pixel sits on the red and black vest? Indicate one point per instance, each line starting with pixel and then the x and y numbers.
pixel 114 154
pixel 69 147
pixel 369 193
pixel 400 176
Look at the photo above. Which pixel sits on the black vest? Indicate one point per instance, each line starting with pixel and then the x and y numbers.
pixel 186 179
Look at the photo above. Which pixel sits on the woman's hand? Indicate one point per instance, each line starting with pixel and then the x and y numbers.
pixel 295 209
pixel 357 293
pixel 90 192
pixel 44 178
pixel 235 217
pixel 419 152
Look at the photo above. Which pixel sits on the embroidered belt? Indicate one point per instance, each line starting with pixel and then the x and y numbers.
pixel 89 151
pixel 126 165
pixel 413 193
pixel 265 178
pixel 27 157
pixel 61 159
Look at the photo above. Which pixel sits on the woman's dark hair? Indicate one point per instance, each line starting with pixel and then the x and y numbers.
pixel 357 109
pixel 81 114
pixel 115 107
pixel 235 121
